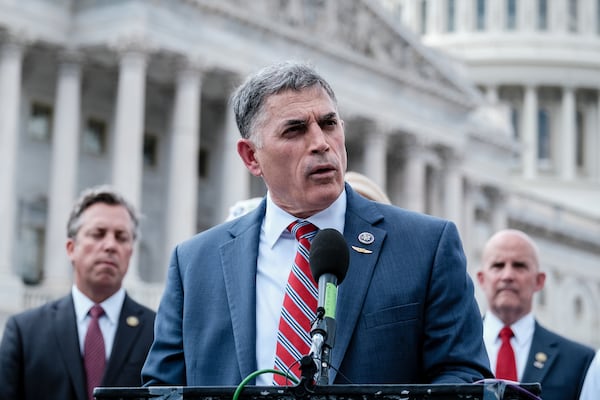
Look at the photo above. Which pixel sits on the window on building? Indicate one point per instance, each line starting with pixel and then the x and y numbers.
pixel 32 254
pixel 580 138
pixel 150 150
pixel 511 14
pixel 40 121
pixel 480 13
pixel 451 16
pixel 94 137
pixel 203 162
pixel 514 119
pixel 543 135
pixel 572 15
pixel 542 15
pixel 423 17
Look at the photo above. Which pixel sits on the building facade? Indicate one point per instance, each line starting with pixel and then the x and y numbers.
pixel 540 59
pixel 134 93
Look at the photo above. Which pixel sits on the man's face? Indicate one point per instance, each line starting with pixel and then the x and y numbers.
pixel 302 155
pixel 101 250
pixel 510 275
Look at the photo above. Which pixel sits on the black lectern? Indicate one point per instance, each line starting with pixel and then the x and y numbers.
pixel 493 390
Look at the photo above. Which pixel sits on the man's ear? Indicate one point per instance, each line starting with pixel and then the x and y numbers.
pixel 540 280
pixel 247 151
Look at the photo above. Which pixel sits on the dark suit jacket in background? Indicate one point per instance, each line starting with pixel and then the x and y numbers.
pixel 405 313
pixel 558 364
pixel 40 357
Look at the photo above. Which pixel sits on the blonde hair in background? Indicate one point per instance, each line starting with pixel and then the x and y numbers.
pixel 366 187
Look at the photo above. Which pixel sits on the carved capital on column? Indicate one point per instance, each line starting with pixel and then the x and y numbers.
pixel 136 42
pixel 71 56
pixel 14 42
pixel 190 66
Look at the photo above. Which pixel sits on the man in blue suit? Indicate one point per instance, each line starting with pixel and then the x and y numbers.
pixel 509 277
pixel 406 311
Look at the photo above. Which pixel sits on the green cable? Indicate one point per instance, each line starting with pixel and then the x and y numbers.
pixel 253 375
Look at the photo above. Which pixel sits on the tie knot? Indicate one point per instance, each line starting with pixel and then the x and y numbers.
pixel 506 333
pixel 302 230
pixel 96 311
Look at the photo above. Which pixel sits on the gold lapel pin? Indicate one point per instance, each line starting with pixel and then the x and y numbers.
pixel 361 250
pixel 540 359
pixel 132 321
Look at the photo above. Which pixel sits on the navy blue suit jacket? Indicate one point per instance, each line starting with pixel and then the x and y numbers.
pixel 405 314
pixel 40 357
pixel 558 364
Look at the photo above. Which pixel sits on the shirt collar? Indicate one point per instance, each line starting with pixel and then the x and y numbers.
pixel 522 329
pixel 277 220
pixel 112 305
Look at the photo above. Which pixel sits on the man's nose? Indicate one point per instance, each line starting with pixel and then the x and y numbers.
pixel 109 242
pixel 318 139
pixel 507 272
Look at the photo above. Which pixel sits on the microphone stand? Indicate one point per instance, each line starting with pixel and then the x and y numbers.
pixel 323 338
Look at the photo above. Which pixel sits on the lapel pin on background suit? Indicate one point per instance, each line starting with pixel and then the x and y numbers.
pixel 364 238
pixel 540 360
pixel 132 321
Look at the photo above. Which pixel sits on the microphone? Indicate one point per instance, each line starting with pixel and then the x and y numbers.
pixel 329 258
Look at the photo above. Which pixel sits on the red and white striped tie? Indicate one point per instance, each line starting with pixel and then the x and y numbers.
pixel 299 307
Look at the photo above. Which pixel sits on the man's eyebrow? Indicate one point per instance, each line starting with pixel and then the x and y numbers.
pixel 291 122
pixel 331 115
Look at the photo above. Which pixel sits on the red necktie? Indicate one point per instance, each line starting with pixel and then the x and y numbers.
pixel 94 354
pixel 299 307
pixel 506 367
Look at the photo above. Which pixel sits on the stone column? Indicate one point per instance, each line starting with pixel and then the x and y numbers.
pixel 465 16
pixel 414 181
pixel 182 183
pixel 129 133
pixel 11 63
pixel 596 135
pixel 499 217
pixel 434 14
pixel 527 15
pixel 235 177
pixel 495 15
pixel 568 145
pixel 375 156
pixel 453 188
pixel 467 229
pixel 410 15
pixel 491 94
pixel 63 171
pixel 529 134
pixel 558 16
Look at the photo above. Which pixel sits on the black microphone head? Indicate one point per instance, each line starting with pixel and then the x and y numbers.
pixel 329 255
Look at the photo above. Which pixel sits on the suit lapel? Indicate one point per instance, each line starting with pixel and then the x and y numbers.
pixel 361 216
pixel 67 339
pixel 129 327
pixel 238 259
pixel 542 355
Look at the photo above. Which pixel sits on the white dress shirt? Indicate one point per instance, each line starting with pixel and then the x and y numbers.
pixel 108 322
pixel 521 341
pixel 276 252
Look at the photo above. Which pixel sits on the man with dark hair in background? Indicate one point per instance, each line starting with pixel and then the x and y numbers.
pixel 95 336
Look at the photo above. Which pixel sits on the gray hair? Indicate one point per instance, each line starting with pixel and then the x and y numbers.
pixel 99 194
pixel 249 99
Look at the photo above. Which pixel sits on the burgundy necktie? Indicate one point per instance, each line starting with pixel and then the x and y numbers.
pixel 506 367
pixel 94 353
pixel 299 307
